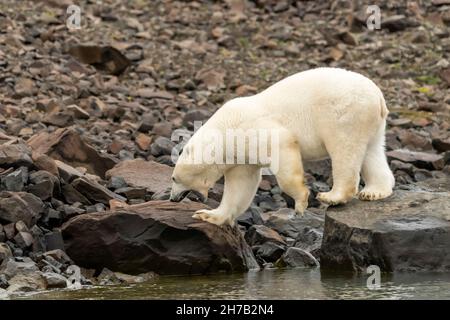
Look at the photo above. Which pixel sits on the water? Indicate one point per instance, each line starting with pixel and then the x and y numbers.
pixel 269 284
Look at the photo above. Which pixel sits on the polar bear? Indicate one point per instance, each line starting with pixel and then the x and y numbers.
pixel 318 113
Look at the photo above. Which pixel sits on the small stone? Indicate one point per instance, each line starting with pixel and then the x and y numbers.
pixel 55 280
pixel 77 112
pixel 67 172
pixel 24 87
pixel 72 195
pixel 147 122
pixel 95 191
pixel 296 257
pixel 250 217
pixel 45 163
pixel 259 234
pixel 59 119
pixel 9 230
pixel 15 180
pixel 162 146
pixel 23 239
pixel 44 184
pixel 59 255
pixel 270 251
pixel 143 141
pixel 163 129
pixel 196 115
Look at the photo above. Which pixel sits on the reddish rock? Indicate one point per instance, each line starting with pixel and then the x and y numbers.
pixel 423 160
pixel 153 176
pixel 66 145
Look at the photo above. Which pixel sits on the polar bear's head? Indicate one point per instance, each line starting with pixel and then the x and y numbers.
pixel 190 175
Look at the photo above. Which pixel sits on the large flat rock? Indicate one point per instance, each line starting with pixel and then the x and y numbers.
pixel 158 236
pixel 409 231
pixel 153 176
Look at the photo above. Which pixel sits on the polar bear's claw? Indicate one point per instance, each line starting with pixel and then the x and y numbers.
pixel 371 195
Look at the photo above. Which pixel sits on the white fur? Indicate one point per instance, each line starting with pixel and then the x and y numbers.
pixel 321 112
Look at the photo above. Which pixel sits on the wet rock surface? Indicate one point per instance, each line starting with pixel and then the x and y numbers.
pixel 157 236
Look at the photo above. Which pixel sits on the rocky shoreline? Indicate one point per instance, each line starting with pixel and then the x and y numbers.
pixel 85 144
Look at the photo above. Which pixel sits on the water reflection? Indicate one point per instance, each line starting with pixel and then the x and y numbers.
pixel 271 284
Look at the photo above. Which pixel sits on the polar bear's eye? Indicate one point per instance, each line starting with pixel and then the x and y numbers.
pixel 174 180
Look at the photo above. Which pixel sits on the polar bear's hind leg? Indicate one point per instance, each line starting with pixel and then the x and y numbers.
pixel 377 175
pixel 346 161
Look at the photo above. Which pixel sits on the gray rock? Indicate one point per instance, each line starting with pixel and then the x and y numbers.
pixel 270 252
pixel 296 257
pixel 250 217
pixel 117 182
pixel 95 191
pixel 24 239
pixel 162 146
pixel 67 172
pixel 54 240
pixel 15 180
pixel 44 184
pixel 27 282
pixel 310 240
pixel 55 280
pixel 287 223
pixel 259 234
pixel 13 267
pixel 409 231
pixel 60 256
pixel 72 195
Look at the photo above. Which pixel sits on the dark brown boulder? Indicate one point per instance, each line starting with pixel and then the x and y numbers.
pixel 17 206
pixel 158 236
pixel 409 231
pixel 66 145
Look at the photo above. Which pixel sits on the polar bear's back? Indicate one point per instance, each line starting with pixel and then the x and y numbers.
pixel 315 103
pixel 322 91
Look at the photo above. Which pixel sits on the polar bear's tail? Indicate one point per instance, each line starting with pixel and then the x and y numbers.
pixel 384 110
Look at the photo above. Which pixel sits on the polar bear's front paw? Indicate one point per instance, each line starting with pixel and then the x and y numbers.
pixel 213 216
pixel 331 198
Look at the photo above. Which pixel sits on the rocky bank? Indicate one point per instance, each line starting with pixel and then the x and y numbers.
pixel 89 119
